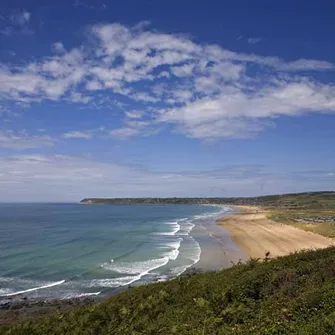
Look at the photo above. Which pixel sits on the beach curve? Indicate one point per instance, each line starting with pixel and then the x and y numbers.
pixel 257 235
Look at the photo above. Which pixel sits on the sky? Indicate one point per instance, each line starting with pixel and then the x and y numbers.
pixel 165 98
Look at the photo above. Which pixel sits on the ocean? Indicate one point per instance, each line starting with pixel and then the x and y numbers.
pixel 60 251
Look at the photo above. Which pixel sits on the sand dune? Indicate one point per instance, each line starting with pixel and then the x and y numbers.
pixel 257 235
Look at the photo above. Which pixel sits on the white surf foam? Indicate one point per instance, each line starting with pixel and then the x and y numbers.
pixel 135 267
pixel 5 291
pixel 174 245
pixel 178 270
pixel 186 228
pixel 130 268
pixel 208 214
pixel 197 252
pixel 80 295
pixel 36 288
pixel 175 229
pixel 75 294
pixel 193 256
pixel 115 282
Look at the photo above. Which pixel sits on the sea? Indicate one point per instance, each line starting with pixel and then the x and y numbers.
pixel 61 251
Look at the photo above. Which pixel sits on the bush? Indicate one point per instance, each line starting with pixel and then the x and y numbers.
pixel 294 294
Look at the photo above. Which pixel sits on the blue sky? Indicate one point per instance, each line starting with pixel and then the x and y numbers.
pixel 153 98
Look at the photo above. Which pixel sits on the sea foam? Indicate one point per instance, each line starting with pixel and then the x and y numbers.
pixel 135 267
pixel 139 268
pixel 36 288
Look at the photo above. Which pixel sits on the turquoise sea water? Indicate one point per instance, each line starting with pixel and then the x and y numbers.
pixel 69 250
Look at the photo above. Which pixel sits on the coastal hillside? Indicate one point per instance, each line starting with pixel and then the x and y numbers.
pixel 298 200
pixel 288 295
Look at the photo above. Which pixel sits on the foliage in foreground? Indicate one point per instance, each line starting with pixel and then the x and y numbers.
pixel 289 295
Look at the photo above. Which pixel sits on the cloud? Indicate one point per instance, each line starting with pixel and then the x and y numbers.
pixel 66 178
pixel 123 133
pixel 254 40
pixel 78 134
pixel 20 18
pixel 17 23
pixel 133 127
pixel 58 47
pixel 134 114
pixel 238 114
pixel 203 91
pixel 303 64
pixel 21 141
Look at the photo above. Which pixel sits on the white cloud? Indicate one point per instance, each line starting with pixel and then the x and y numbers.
pixel 94 86
pixel 123 133
pixel 77 97
pixel 183 70
pixel 134 114
pixel 26 16
pixel 78 134
pixel 64 178
pixel 254 40
pixel 58 47
pixel 305 64
pixel 20 18
pixel 22 140
pixel 205 91
pixel 17 23
pixel 237 114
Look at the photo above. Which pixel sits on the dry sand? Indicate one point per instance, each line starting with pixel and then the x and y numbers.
pixel 252 231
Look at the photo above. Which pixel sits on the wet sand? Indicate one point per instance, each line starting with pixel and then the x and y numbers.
pixel 218 250
pixel 252 231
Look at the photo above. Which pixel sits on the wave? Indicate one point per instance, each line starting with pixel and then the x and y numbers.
pixel 5 291
pixel 212 214
pixel 87 294
pixel 36 288
pixel 129 268
pixel 176 228
pixel 114 282
pixel 135 267
pixel 80 295
pixel 178 270
pixel 197 254
pixel 186 228
pixel 174 245
pixel 194 258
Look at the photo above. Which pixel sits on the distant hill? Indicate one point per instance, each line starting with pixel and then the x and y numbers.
pixel 309 200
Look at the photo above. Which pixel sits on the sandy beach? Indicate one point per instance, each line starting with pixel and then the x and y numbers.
pixel 255 234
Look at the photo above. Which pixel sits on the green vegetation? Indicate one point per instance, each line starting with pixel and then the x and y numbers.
pixel 312 211
pixel 317 221
pixel 294 294
pixel 310 200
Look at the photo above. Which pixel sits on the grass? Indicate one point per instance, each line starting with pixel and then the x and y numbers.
pixel 317 221
pixel 294 294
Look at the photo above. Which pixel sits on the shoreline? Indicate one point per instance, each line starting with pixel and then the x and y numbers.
pixel 218 251
pixel 257 235
pixel 235 236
